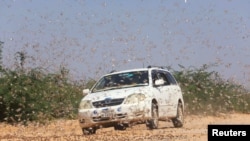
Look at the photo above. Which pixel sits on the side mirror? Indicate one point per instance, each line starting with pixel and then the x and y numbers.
pixel 159 82
pixel 85 91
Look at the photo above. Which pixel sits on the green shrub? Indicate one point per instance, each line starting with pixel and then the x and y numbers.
pixel 35 96
pixel 206 92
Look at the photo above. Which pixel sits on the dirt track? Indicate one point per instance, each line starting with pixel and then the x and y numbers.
pixel 195 128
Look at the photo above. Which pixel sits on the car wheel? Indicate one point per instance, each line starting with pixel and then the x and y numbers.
pixel 153 123
pixel 120 127
pixel 88 131
pixel 179 119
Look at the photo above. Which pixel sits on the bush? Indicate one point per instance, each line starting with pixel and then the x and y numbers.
pixel 35 96
pixel 207 93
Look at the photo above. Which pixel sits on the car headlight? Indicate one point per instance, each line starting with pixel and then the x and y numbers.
pixel 85 104
pixel 135 98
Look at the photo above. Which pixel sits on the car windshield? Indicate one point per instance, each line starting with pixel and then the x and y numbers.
pixel 121 80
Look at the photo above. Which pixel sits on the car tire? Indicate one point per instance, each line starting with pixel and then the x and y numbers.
pixel 154 122
pixel 88 131
pixel 120 127
pixel 179 119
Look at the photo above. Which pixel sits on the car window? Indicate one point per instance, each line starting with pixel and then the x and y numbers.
pixel 157 75
pixel 171 78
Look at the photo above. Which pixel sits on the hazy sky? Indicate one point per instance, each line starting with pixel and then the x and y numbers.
pixel 93 37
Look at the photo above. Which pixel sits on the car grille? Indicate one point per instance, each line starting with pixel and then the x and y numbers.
pixel 107 103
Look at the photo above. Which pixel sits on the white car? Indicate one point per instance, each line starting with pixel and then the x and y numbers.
pixel 120 99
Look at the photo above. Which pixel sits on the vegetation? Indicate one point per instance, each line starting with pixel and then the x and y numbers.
pixel 205 92
pixel 39 96
pixel 36 95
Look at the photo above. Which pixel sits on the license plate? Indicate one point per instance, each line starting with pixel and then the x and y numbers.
pixel 106 113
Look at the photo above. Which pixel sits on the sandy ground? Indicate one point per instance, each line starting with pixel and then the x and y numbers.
pixel 195 129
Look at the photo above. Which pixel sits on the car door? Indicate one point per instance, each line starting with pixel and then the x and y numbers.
pixel 175 92
pixel 165 93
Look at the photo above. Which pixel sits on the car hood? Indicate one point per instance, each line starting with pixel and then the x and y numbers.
pixel 114 94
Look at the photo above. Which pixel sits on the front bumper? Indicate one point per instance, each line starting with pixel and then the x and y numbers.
pixel 108 116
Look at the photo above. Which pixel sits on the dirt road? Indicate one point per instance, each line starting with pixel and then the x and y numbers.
pixel 195 129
